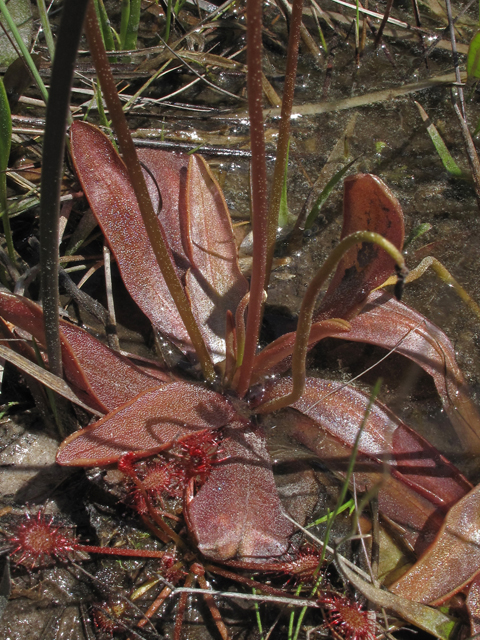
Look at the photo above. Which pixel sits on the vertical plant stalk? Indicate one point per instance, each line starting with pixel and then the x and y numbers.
pixel 132 26
pixel 258 190
pixel 152 225
pixel 52 168
pixel 284 132
pixel 124 22
pixel 471 150
pixel 106 28
pixel 302 335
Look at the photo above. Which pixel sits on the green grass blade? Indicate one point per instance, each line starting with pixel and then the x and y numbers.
pixel 132 26
pixel 124 23
pixel 105 27
pixel 25 52
pixel 473 58
pixel 283 210
pixel 417 232
pixel 322 198
pixel 5 143
pixel 42 10
pixel 168 21
pixel 448 162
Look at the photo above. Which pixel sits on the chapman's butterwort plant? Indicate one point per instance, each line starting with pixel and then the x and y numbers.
pixel 193 454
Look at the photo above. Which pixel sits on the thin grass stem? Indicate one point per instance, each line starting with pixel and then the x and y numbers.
pixel 125 17
pixel 5 145
pixel 52 169
pixel 152 225
pixel 306 312
pixel 106 28
pixel 168 20
pixel 132 26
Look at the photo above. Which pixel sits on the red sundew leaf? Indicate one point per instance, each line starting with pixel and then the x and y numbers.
pixel 237 513
pixel 105 378
pixel 388 323
pixel 368 204
pixel 214 284
pixel 414 517
pixel 149 423
pixel 452 561
pixel 340 410
pixel 105 181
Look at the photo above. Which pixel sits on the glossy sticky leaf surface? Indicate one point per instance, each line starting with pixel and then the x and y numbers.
pixel 368 204
pixel 104 378
pixel 388 323
pixel 214 282
pixel 150 422
pixel 106 184
pixel 340 410
pixel 452 560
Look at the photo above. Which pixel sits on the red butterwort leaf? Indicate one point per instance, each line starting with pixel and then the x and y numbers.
pixel 112 377
pixel 149 423
pixel 368 204
pixel 340 410
pixel 418 519
pixel 237 512
pixel 452 561
pixel 214 284
pixel 473 606
pixel 111 196
pixel 274 356
pixel 388 323
pixel 105 377
pixel 165 174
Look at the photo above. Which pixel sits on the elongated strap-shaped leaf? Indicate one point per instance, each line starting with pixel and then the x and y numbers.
pixel 45 377
pixel 149 423
pixel 237 513
pixel 112 377
pixel 413 516
pixel 105 378
pixel 368 204
pixel 106 184
pixel 452 561
pixel 388 323
pixel 340 409
pixel 166 178
pixel 214 284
